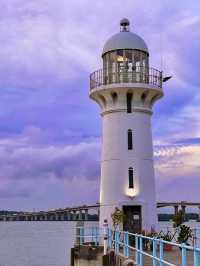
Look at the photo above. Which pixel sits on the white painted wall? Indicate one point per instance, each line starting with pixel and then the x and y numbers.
pixel 116 159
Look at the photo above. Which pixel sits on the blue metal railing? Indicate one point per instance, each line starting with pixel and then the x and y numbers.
pixel 85 235
pixel 137 251
pixel 196 237
pixel 134 246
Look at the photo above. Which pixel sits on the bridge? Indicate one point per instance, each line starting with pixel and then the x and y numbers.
pixel 182 205
pixel 81 213
pixel 85 212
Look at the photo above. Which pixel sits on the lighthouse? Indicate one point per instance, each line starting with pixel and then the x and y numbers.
pixel 126 89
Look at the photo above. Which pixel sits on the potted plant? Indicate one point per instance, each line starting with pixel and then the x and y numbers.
pixel 117 218
pixel 184 234
pixel 178 219
pixel 147 243
pixel 169 236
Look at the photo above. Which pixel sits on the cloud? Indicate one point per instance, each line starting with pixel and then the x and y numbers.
pixel 33 195
pixel 32 171
pixel 179 189
pixel 62 162
pixel 177 170
pixel 189 141
pixel 50 130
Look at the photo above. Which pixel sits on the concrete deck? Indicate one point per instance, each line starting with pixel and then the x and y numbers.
pixel 173 257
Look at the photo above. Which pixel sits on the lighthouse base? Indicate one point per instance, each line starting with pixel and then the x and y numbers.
pixel 138 216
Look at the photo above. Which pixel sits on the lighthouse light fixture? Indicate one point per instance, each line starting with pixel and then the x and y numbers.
pixel 131 193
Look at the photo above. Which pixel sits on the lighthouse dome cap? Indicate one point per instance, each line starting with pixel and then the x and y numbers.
pixel 125 40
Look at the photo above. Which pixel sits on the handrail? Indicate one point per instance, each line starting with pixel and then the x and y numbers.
pixel 137 75
pixel 126 242
pixel 139 240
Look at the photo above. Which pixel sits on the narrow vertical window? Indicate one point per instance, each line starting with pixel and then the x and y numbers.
pixel 130 175
pixel 130 139
pixel 129 102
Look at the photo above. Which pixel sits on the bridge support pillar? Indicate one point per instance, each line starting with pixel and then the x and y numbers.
pixel 62 217
pixel 86 215
pixel 74 216
pixel 199 214
pixel 80 215
pixel 68 216
pixel 175 209
pixel 56 216
pixel 183 207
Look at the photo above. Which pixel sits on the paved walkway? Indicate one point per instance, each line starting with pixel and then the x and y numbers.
pixel 173 257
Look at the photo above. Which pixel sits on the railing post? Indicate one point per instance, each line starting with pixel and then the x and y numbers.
pixel 126 244
pixel 110 238
pixel 81 235
pixel 105 237
pixel 196 258
pixel 96 235
pixel 184 255
pixel 154 252
pixel 116 241
pixel 92 234
pixel 141 249
pixel 137 249
pixel 161 253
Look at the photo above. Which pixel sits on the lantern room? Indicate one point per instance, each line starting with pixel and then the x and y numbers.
pixel 125 57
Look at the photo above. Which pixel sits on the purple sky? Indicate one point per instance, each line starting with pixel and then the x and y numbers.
pixel 50 130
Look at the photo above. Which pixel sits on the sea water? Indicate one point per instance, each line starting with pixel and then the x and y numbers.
pixel 42 243
pixel 36 243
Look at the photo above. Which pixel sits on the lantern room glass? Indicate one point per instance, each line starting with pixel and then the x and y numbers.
pixel 125 66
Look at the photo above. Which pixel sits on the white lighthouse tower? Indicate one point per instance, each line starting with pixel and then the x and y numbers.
pixel 126 89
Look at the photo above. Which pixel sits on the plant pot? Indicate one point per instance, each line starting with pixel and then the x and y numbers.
pixel 167 247
pixel 145 245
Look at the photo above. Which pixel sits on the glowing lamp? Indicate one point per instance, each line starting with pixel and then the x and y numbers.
pixel 131 193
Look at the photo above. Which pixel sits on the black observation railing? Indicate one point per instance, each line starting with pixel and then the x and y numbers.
pixel 138 75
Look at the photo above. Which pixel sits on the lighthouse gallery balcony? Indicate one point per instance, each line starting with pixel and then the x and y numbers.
pixel 140 74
